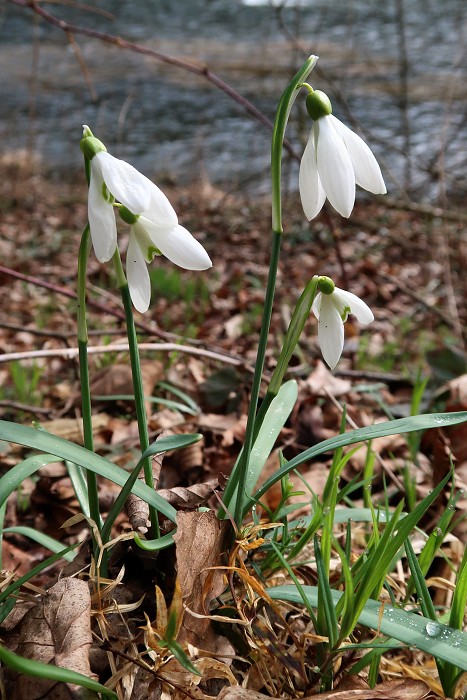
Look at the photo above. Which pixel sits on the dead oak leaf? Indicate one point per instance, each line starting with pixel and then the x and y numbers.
pixel 56 631
pixel 200 542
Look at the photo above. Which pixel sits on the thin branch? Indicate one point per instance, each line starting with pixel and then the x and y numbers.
pixel 71 353
pixel 150 329
pixel 18 406
pixel 200 69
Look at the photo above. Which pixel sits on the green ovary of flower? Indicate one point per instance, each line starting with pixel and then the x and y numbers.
pixel 326 285
pixel 90 146
pixel 318 104
pixel 127 215
pixel 108 196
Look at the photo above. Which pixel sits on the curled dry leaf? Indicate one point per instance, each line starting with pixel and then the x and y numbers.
pixel 191 496
pixel 212 668
pixel 212 672
pixel 137 509
pixel 56 631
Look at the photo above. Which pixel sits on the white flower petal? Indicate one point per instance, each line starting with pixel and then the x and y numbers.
pixel 330 331
pixel 144 240
pixel 127 184
pixel 159 209
pixel 178 245
pixel 335 167
pixel 312 193
pixel 366 168
pixel 137 275
pixel 101 216
pixel 358 308
pixel 317 304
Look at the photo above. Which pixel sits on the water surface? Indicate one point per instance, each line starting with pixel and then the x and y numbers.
pixel 173 124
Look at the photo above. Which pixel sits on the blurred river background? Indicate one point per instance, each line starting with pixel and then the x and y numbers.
pixel 395 70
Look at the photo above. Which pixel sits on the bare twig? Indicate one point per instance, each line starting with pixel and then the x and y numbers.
pixel 201 69
pixel 18 406
pixel 71 353
pixel 37 331
pixel 150 329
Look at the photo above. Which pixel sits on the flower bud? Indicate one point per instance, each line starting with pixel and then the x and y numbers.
pixel 326 285
pixel 318 104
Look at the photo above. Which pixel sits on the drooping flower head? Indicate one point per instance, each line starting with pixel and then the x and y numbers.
pixel 154 224
pixel 334 159
pixel 332 307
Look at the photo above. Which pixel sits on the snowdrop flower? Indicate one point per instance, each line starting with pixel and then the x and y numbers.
pixel 332 307
pixel 154 224
pixel 157 232
pixel 333 161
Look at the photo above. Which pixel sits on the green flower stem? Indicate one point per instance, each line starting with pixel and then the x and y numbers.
pixel 297 323
pixel 282 116
pixel 242 466
pixel 93 496
pixel 137 387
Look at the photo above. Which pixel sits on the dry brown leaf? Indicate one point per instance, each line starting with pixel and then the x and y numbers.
pixel 238 693
pixel 391 690
pixel 389 444
pixel 137 509
pixel 403 689
pixel 458 390
pixel 458 402
pixel 71 428
pixel 117 379
pixel 234 326
pixel 186 684
pixel 321 382
pixel 428 675
pixel 315 476
pixel 212 668
pixel 191 496
pixel 20 561
pixel 200 542
pixel 56 631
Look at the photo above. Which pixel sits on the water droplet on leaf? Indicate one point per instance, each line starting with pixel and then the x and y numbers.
pixel 432 629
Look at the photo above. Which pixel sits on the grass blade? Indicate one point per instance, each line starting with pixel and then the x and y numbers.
pixel 31 667
pixel 40 440
pixel 33 572
pixel 326 609
pixel 42 539
pixel 441 641
pixel 401 425
pixel 435 539
pixel 278 412
pixel 376 567
pixel 80 486
pixel 171 442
